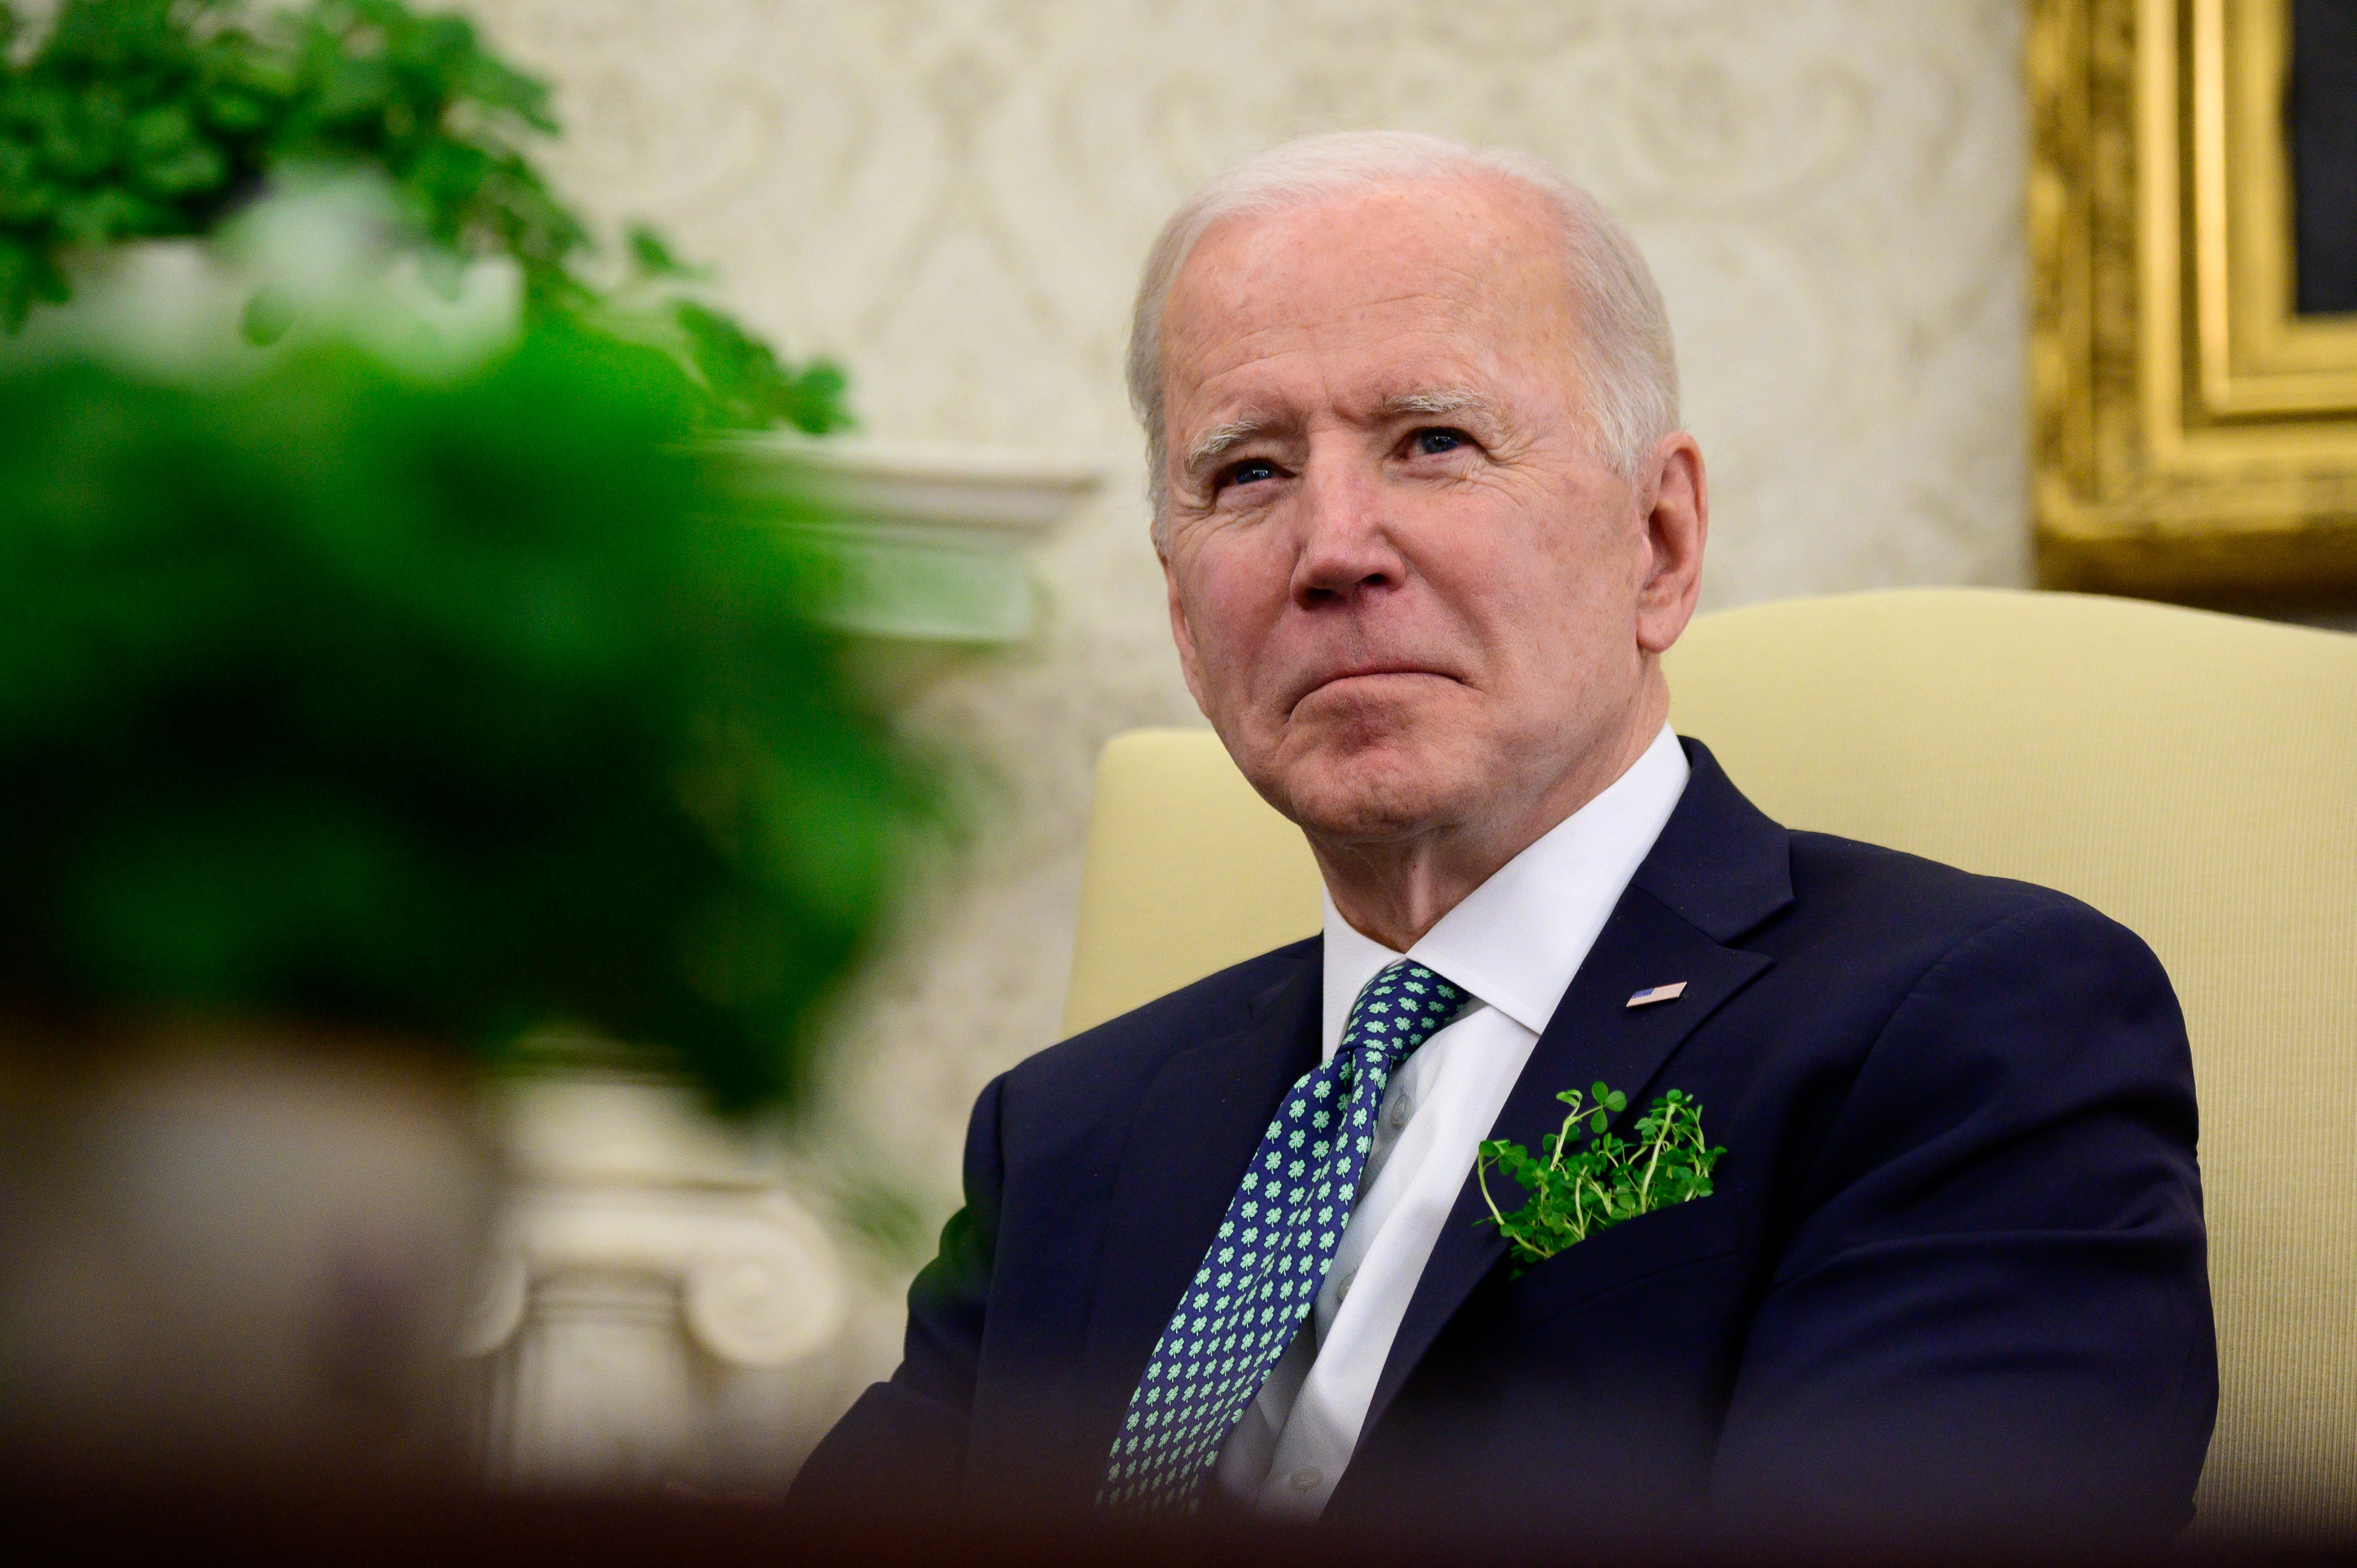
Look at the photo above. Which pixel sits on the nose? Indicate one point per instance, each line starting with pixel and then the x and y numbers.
pixel 1346 553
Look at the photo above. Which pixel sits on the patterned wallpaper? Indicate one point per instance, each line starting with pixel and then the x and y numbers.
pixel 951 197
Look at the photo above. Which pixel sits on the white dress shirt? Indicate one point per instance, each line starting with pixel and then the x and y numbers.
pixel 1514 943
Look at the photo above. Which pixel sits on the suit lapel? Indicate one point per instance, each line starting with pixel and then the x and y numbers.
pixel 1194 1130
pixel 1719 868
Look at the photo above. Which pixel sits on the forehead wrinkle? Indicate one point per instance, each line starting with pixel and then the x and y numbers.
pixel 1246 271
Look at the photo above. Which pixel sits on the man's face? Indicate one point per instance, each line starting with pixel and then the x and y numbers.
pixel 1407 591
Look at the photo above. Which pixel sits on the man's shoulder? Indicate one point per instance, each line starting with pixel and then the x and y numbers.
pixel 1913 911
pixel 1128 1050
pixel 1800 895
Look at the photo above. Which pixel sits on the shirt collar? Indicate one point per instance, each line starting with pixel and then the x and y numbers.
pixel 1516 941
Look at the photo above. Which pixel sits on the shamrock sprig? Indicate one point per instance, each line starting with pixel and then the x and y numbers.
pixel 1574 1192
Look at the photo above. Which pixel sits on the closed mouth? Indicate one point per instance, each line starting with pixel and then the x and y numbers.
pixel 1365 672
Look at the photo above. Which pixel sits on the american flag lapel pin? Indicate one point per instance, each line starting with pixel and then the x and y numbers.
pixel 1654 993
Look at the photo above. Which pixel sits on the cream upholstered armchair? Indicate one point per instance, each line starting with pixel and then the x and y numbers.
pixel 2193 775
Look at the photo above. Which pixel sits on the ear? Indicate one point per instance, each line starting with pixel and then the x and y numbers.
pixel 1676 526
pixel 1183 634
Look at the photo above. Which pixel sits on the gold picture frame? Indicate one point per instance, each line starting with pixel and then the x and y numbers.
pixel 2194 437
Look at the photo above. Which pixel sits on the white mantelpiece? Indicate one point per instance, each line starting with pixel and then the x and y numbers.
pixel 660 1308
pixel 656 1303
pixel 932 543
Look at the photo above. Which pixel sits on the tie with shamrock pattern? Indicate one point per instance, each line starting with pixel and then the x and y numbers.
pixel 1263 1270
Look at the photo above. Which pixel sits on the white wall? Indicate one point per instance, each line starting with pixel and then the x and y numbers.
pixel 951 197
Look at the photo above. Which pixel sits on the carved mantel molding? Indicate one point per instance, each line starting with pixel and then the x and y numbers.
pixel 932 543
pixel 650 1269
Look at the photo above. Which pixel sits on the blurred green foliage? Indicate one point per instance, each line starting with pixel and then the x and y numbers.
pixel 133 119
pixel 452 709
pixel 887 1217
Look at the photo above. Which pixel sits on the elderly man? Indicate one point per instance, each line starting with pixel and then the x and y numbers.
pixel 1428 524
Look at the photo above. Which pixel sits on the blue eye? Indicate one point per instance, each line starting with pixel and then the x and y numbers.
pixel 1251 473
pixel 1432 442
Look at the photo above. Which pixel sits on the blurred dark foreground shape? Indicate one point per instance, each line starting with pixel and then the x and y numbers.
pixel 365 715
pixel 401 1530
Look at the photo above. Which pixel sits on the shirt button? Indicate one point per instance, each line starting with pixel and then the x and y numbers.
pixel 1307 1478
pixel 1342 1286
pixel 1400 1111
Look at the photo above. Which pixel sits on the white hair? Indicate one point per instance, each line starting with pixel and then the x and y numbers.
pixel 1630 368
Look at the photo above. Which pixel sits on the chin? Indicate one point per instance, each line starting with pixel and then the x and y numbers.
pixel 1368 793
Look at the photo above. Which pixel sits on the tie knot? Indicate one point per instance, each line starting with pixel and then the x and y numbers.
pixel 1400 1009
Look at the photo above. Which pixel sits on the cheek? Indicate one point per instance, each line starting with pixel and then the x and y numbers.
pixel 1232 590
pixel 1552 598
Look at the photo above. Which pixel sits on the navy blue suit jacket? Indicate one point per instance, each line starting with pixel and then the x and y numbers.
pixel 1952 1277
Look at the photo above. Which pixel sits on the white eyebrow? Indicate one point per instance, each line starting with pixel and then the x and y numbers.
pixel 1221 439
pixel 1207 449
pixel 1436 400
